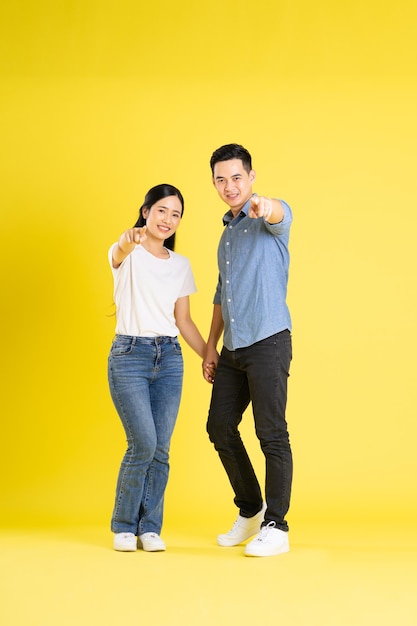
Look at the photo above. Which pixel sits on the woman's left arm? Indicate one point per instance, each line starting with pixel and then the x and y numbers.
pixel 187 327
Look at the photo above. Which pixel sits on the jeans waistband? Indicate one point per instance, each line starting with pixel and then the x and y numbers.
pixel 133 339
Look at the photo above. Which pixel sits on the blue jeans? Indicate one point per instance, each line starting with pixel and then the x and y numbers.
pixel 258 373
pixel 145 379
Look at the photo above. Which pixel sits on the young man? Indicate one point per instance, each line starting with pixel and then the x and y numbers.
pixel 250 307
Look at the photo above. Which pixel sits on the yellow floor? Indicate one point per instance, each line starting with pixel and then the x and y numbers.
pixel 331 577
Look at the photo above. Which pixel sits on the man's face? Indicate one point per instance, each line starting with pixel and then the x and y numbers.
pixel 233 183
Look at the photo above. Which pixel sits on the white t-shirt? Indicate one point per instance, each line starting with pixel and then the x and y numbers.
pixel 145 291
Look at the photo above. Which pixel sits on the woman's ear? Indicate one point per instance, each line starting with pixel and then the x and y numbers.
pixel 145 213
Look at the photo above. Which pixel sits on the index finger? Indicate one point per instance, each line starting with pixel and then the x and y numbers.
pixel 138 233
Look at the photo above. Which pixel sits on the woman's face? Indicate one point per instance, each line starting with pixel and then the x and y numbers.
pixel 163 218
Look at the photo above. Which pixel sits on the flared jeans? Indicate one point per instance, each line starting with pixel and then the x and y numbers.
pixel 145 379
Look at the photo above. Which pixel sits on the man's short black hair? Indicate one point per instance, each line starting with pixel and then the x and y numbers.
pixel 231 151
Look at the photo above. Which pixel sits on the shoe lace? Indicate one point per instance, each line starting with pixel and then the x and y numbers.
pixel 263 534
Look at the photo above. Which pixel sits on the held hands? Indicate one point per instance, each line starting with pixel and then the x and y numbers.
pixel 209 364
pixel 209 372
pixel 260 206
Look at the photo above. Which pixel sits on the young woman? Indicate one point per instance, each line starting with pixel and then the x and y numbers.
pixel 152 285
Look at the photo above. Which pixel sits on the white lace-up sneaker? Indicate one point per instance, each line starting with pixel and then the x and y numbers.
pixel 125 542
pixel 242 529
pixel 268 542
pixel 151 542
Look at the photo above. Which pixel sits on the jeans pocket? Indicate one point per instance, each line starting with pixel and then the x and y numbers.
pixel 121 346
pixel 176 346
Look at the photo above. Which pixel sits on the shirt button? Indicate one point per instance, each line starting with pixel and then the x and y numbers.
pixel 232 320
pixel 229 299
pixel 227 243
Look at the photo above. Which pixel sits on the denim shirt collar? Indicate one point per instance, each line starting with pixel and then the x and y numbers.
pixel 228 217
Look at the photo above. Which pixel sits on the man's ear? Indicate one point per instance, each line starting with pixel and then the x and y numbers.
pixel 252 175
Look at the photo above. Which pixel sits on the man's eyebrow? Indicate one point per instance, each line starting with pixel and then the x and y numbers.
pixel 232 176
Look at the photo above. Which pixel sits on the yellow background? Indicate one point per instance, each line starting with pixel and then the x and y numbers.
pixel 102 100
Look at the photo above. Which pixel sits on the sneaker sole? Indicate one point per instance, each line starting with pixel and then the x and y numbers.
pixel 224 543
pixel 123 549
pixel 274 553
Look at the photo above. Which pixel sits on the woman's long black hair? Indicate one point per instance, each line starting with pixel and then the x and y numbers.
pixel 154 195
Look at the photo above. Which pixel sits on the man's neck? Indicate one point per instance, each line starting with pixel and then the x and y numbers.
pixel 236 210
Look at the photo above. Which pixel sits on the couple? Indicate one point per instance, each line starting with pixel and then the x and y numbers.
pixel 152 285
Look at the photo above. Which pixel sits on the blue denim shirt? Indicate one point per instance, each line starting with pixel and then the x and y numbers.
pixel 253 262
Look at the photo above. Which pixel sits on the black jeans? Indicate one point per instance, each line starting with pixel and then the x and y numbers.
pixel 259 374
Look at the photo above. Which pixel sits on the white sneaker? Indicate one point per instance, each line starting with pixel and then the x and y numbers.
pixel 242 529
pixel 268 542
pixel 125 542
pixel 151 542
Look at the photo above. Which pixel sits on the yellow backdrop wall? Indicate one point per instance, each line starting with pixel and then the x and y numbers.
pixel 103 100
